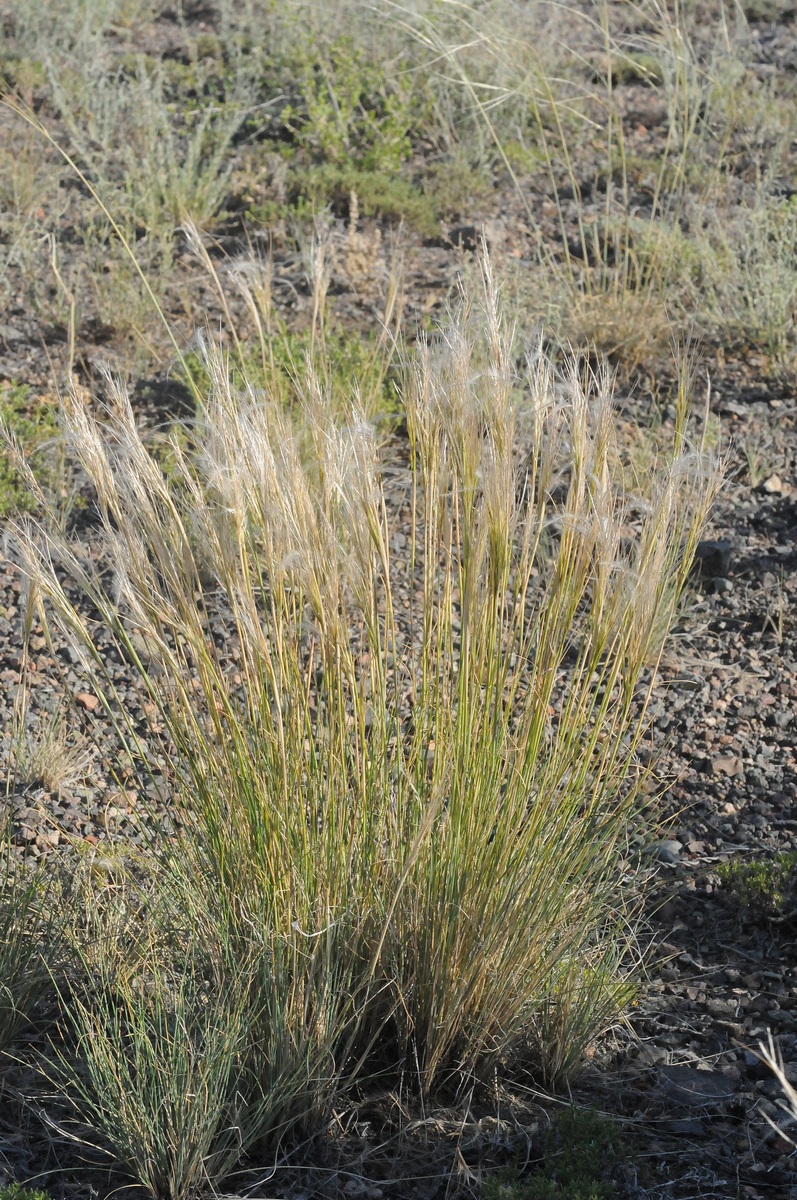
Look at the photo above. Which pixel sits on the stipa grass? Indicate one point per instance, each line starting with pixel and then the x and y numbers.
pixel 27 934
pixel 405 782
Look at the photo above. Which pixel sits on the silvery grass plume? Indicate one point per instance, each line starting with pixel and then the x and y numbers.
pixel 406 781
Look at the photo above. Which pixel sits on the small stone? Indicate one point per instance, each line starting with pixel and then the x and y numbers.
pixel 666 851
pixel 713 559
pixel 688 1085
pixel 773 485
pixel 651 1056
pixel 727 764
pixel 86 701
pixel 734 1028
pixel 718 1007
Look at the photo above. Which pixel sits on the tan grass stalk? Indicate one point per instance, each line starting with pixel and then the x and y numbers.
pixel 770 1054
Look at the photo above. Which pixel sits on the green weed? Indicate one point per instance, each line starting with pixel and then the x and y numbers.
pixel 577 1159
pixel 18 1191
pixel 452 187
pixel 353 110
pixel 346 363
pixel 33 423
pixel 389 196
pixel 765 889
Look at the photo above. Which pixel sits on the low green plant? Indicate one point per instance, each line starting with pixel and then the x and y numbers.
pixel 389 196
pixel 18 1191
pixel 355 108
pixel 344 361
pixel 158 1050
pixel 33 423
pixel 759 457
pixel 458 184
pixel 766 888
pixel 576 1159
pixel 22 75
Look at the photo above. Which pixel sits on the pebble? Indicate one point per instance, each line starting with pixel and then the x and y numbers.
pixel 693 1087
pixel 727 764
pixel 713 557
pixel 666 851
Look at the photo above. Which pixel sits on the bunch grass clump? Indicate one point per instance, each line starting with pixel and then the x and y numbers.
pixel 27 937
pixel 155 1053
pixel 405 776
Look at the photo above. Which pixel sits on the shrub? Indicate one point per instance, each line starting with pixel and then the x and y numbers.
pixel 353 107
